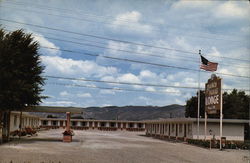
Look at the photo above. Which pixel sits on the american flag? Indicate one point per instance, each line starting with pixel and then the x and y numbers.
pixel 208 66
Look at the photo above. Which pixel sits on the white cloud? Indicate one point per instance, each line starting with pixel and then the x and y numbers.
pixel 180 102
pixel 231 9
pixel 147 74
pixel 64 93
pixel 112 45
pixel 130 78
pixel 184 4
pixel 173 91
pixel 108 78
pixel 46 43
pixel 131 22
pixel 111 92
pixel 150 89
pixel 75 67
pixel 84 95
pixel 214 52
pixel 59 103
pixel 143 98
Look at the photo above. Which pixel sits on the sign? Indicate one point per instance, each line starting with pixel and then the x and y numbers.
pixel 213 95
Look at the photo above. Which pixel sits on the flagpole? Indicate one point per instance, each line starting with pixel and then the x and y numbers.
pixel 198 111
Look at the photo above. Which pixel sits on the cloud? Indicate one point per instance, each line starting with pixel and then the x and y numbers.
pixel 130 78
pixel 131 22
pixel 150 89
pixel 191 4
pixel 173 91
pixel 214 52
pixel 231 9
pixel 147 74
pixel 64 93
pixel 59 65
pixel 111 92
pixel 46 43
pixel 59 103
pixel 84 95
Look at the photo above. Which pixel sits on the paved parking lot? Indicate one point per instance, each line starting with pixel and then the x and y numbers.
pixel 110 147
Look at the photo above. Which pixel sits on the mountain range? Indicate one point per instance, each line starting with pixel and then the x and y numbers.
pixel 133 113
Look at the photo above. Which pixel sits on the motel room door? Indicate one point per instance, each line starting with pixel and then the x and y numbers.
pixel 61 123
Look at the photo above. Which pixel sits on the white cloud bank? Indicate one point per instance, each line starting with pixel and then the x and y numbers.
pixel 59 65
pixel 46 43
pixel 126 19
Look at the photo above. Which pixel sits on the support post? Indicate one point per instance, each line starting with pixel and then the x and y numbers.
pixel 221 115
pixel 205 133
pixel 68 121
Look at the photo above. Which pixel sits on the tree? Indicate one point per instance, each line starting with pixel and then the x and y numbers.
pixel 192 105
pixel 20 75
pixel 235 105
pixel 21 69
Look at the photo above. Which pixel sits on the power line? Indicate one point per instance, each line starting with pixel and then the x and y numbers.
pixel 146 54
pixel 140 62
pixel 114 89
pixel 127 83
pixel 111 39
pixel 99 37
pixel 128 51
pixel 122 83
pixel 120 19
pixel 140 53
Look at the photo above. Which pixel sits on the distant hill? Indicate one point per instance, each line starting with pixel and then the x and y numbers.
pixel 134 113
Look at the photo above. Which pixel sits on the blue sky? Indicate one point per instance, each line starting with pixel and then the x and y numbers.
pixel 220 29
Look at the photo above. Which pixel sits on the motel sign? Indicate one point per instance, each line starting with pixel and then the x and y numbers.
pixel 213 95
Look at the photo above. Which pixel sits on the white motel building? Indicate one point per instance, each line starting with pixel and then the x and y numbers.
pixel 173 128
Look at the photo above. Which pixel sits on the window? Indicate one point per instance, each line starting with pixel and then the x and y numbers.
pixel 139 125
pixel 83 124
pixel 73 123
pixel 54 123
pixel 103 124
pixel 45 123
pixel 112 124
pixel 131 125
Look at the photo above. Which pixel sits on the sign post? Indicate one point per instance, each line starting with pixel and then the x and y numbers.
pixel 213 99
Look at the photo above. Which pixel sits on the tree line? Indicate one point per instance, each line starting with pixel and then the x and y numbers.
pixel 235 105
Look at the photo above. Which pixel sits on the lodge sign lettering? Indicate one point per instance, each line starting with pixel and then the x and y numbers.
pixel 213 95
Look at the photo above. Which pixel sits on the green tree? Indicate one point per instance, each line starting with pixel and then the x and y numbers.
pixel 235 105
pixel 20 71
pixel 192 105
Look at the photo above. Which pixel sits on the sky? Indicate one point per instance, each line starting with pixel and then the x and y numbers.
pixel 143 42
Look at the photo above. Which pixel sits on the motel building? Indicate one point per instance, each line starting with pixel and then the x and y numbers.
pixel 186 128
pixel 86 124
pixel 173 128
pixel 13 118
